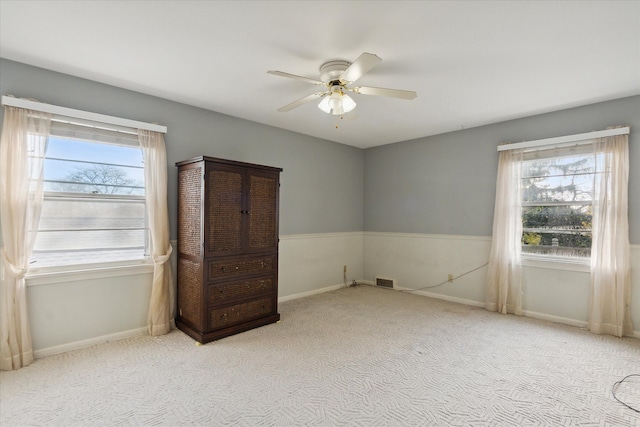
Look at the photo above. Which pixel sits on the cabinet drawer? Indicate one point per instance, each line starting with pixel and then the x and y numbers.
pixel 233 314
pixel 222 269
pixel 241 290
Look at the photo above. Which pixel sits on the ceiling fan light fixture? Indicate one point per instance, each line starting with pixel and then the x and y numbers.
pixel 337 103
pixel 337 76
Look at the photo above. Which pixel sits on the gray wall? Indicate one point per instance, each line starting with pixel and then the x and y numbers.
pixel 319 176
pixel 445 184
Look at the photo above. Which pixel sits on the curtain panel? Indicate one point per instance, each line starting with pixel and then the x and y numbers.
pixel 610 311
pixel 22 150
pixel 503 291
pixel 161 305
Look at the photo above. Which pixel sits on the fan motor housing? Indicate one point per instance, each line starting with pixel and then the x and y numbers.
pixel 331 71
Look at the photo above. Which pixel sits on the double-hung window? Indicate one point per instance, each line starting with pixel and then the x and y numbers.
pixel 557 190
pixel 93 210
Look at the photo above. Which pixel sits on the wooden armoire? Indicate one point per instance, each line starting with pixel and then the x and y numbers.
pixel 227 247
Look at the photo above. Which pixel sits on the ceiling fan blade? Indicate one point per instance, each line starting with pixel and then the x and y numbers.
pixel 301 101
pixel 295 77
pixel 359 67
pixel 380 91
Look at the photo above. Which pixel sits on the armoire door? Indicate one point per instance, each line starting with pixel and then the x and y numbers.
pixel 225 210
pixel 262 211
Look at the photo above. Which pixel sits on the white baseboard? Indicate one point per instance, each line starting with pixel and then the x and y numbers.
pixel 526 313
pixel 555 319
pixel 77 345
pixel 309 293
pixel 428 294
pixel 565 321
pixel 448 298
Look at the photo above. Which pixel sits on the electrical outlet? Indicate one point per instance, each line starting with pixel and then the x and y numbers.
pixel 450 278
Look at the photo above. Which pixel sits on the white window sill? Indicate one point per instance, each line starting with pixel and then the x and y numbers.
pixel 557 263
pixel 47 276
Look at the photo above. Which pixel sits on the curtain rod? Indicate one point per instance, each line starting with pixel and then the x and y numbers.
pixel 565 139
pixel 79 114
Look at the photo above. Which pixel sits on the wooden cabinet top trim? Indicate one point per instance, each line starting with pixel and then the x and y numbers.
pixel 228 162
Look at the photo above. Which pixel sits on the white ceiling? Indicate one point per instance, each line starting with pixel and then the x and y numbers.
pixel 471 62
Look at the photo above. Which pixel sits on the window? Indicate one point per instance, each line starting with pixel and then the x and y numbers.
pixel 94 198
pixel 557 188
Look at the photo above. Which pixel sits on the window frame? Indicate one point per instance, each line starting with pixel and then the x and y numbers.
pixel 573 263
pixel 84 131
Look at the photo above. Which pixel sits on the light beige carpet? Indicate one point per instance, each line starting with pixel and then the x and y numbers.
pixel 360 356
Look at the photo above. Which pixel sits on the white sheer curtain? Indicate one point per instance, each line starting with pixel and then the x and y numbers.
pixel 610 260
pixel 22 149
pixel 503 291
pixel 155 176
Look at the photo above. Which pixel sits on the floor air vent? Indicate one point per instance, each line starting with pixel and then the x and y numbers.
pixel 385 283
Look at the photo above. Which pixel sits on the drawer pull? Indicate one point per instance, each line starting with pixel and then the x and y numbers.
pixel 224 316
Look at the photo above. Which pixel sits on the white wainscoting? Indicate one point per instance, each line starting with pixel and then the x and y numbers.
pixel 313 263
pixel 418 261
pixel 73 311
pixel 81 311
pixel 69 311
pixel 550 292
pixel 72 314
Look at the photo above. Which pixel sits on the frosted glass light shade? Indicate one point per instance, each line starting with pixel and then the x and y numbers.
pixel 348 104
pixel 324 105
pixel 337 103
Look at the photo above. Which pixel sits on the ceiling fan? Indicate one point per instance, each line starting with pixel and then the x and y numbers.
pixel 335 78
